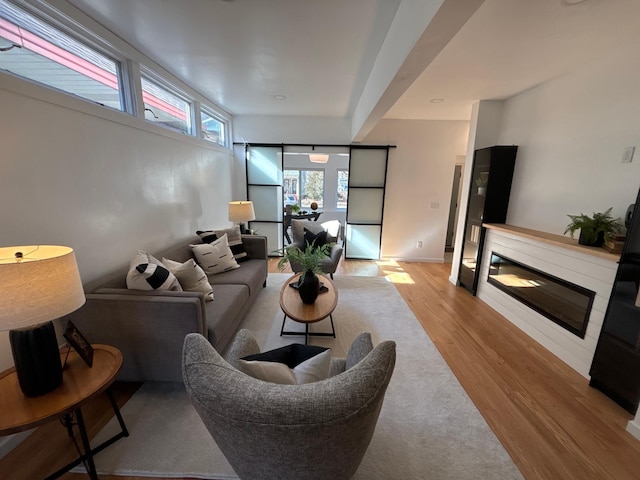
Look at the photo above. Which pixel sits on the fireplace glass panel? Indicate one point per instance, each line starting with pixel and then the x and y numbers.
pixel 563 302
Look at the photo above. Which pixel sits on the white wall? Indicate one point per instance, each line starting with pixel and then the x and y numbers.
pixel 571 134
pixel 103 188
pixel 419 181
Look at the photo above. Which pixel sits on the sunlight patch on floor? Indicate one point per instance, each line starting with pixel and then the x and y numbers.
pixel 394 273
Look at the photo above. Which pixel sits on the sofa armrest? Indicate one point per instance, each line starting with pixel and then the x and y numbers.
pixel 148 328
pixel 255 246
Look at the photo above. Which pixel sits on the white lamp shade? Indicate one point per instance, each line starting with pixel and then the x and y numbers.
pixel 241 211
pixel 318 157
pixel 43 286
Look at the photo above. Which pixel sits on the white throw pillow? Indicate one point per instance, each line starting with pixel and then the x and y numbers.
pixel 233 237
pixel 215 257
pixel 290 365
pixel 147 273
pixel 191 277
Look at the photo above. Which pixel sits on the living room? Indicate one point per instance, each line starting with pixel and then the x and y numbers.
pixel 108 184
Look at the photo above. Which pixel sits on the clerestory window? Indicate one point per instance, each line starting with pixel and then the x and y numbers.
pixel 33 49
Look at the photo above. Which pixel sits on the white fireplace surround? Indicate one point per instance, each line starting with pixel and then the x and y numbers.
pixel 562 257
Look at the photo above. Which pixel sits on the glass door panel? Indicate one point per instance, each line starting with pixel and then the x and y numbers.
pixel 264 189
pixel 363 241
pixel 365 205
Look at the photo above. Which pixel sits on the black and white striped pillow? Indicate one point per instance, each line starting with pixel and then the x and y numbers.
pixel 147 273
pixel 215 257
pixel 234 239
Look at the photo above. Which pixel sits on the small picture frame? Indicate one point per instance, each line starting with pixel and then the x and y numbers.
pixel 79 343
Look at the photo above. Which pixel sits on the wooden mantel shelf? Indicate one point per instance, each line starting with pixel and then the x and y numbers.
pixel 553 239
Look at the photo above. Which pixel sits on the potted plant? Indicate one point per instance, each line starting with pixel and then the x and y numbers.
pixel 594 230
pixel 309 262
pixel 481 183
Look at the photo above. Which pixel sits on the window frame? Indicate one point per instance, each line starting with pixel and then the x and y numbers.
pixel 301 183
pixel 160 82
pixel 76 24
pixel 52 19
pixel 338 170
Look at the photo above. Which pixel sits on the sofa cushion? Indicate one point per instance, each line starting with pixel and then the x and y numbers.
pixel 215 257
pixel 147 273
pixel 289 365
pixel 191 277
pixel 251 273
pixel 234 238
pixel 225 314
pixel 316 240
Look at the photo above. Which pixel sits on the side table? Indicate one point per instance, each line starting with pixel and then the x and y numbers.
pixel 80 383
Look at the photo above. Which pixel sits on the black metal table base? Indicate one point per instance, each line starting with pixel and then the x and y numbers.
pixel 307 333
pixel 87 453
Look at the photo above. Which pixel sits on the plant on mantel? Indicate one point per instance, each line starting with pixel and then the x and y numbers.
pixel 594 230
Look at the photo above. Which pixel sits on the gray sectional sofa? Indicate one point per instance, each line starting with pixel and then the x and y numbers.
pixel 149 327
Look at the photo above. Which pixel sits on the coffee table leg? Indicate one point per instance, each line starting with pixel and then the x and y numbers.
pixel 333 330
pixel 284 319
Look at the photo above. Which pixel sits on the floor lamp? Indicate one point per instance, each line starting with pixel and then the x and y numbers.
pixel 38 283
pixel 241 212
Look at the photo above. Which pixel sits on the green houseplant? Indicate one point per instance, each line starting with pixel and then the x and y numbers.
pixel 309 261
pixel 594 230
pixel 309 258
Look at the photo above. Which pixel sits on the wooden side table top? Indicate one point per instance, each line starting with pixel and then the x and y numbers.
pixel 79 384
pixel 293 307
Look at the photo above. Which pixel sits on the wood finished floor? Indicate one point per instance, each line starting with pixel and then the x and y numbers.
pixel 551 422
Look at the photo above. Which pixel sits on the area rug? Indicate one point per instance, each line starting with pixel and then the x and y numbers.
pixel 428 426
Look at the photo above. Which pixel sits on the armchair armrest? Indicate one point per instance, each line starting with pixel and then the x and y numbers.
pixel 335 253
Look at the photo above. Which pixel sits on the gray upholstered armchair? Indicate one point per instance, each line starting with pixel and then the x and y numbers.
pixel 318 430
pixel 333 229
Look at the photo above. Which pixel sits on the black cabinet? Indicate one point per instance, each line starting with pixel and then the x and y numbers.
pixel 488 202
pixel 615 369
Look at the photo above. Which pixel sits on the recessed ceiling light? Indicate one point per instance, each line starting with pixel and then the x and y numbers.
pixel 279 97
pixel 572 2
pixel 437 100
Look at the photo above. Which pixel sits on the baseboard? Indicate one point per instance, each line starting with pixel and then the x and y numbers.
pixel 415 259
pixel 633 427
pixel 10 442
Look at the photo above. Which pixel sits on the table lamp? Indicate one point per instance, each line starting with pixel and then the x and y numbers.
pixel 241 212
pixel 38 283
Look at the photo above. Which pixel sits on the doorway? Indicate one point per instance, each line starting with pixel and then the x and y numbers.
pixel 453 205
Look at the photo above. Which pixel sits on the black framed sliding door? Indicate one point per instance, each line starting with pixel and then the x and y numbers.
pixel 264 189
pixel 365 203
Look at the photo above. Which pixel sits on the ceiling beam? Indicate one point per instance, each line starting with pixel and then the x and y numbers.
pixel 419 32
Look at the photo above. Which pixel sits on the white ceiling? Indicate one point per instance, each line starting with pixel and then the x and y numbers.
pixel 321 54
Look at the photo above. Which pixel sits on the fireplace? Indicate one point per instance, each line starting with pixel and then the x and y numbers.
pixel 562 302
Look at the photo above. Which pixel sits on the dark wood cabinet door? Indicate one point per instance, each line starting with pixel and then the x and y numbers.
pixel 489 192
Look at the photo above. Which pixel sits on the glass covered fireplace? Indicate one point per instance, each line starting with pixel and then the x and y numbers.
pixel 562 302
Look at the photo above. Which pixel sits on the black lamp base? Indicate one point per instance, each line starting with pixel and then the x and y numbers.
pixel 37 358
